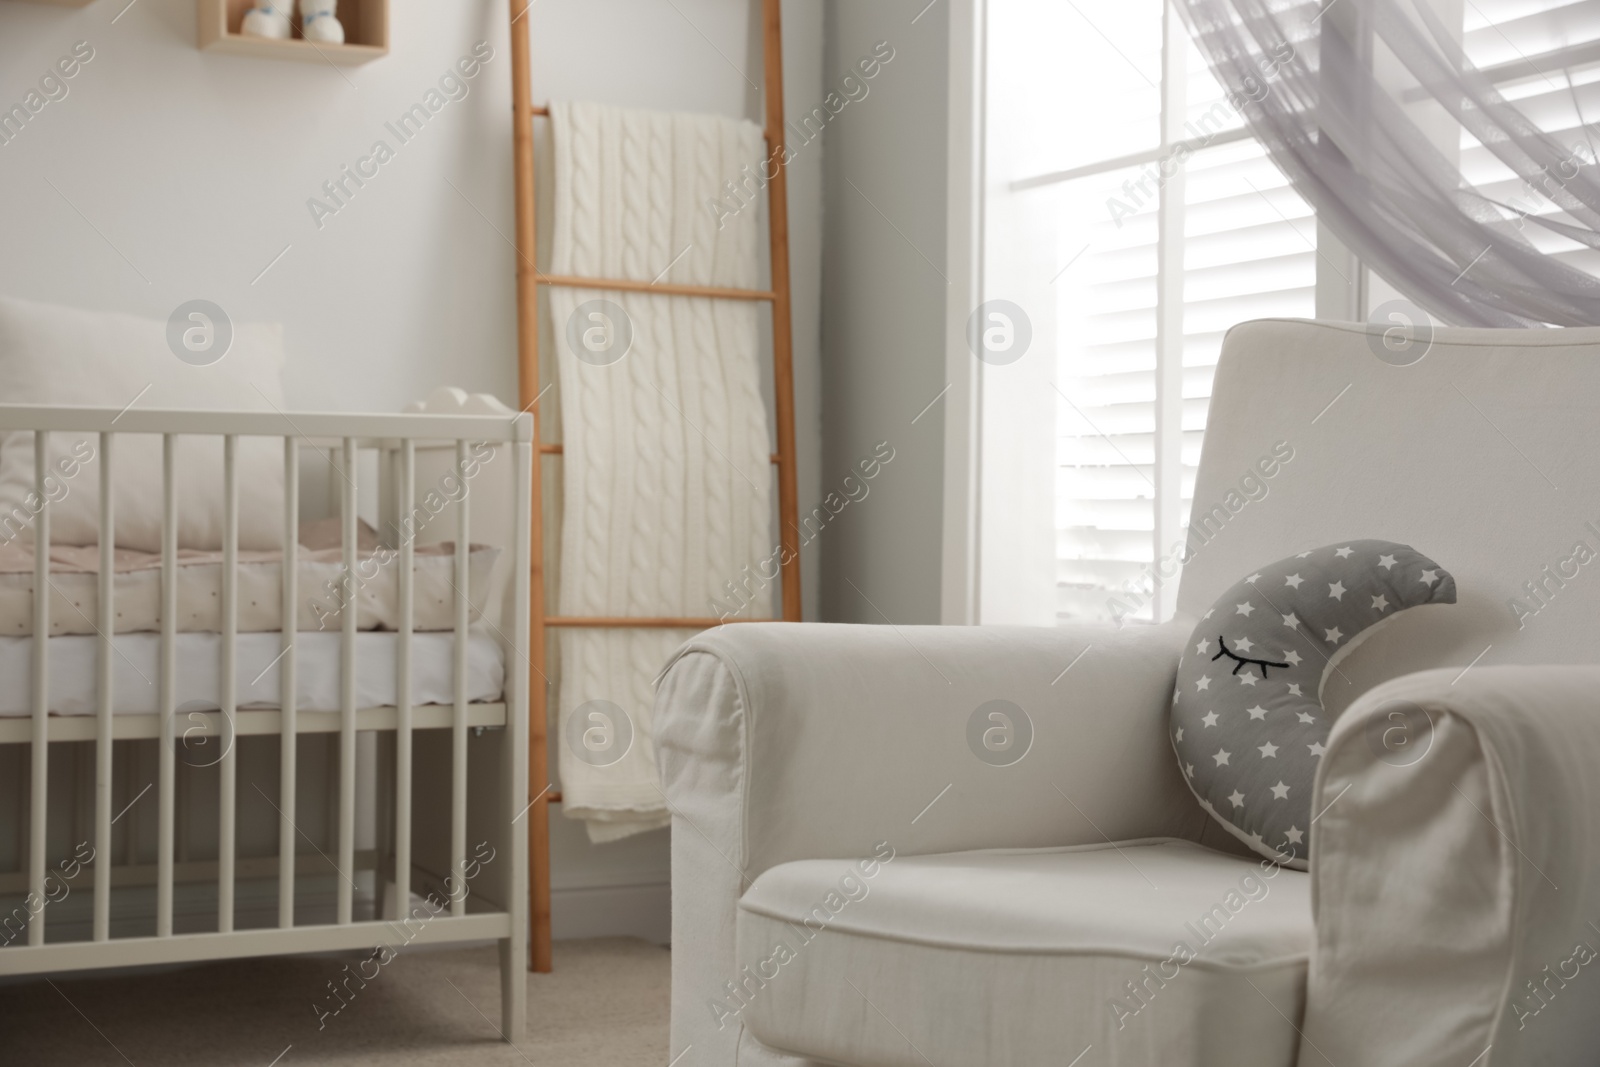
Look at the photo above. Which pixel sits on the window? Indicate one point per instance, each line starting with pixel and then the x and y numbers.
pixel 1544 57
pixel 1114 160
pixel 1105 187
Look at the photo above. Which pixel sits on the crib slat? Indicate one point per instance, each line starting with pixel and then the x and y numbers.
pixel 169 682
pixel 347 678
pixel 38 825
pixel 103 668
pixel 513 1004
pixel 286 681
pixel 402 778
pixel 458 779
pixel 228 799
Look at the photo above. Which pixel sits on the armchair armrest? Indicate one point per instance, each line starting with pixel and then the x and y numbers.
pixel 1455 869
pixel 832 738
pixel 781 742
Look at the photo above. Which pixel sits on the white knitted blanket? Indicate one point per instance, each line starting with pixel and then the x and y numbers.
pixel 666 465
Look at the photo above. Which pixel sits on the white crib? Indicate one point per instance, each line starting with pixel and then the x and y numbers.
pixel 445 783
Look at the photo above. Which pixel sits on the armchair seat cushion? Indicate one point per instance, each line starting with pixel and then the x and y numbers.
pixel 1152 951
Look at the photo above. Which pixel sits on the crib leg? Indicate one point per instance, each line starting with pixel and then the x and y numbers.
pixel 513 989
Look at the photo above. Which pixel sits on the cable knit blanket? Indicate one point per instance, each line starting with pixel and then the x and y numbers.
pixel 666 465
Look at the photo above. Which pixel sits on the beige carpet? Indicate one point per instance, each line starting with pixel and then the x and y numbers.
pixel 606 1004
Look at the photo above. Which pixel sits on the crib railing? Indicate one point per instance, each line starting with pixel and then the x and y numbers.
pixel 344 435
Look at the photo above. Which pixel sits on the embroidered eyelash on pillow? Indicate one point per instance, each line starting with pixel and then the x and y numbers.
pixel 1247 718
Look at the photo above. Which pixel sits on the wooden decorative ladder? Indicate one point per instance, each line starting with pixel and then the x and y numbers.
pixel 529 278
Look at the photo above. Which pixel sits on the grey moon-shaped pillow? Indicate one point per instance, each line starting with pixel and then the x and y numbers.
pixel 1247 718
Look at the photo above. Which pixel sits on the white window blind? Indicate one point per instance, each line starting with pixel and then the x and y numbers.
pixel 1543 56
pixel 1164 258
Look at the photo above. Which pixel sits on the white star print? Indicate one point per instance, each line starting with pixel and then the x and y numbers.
pixel 1244 644
pixel 1257 839
pixel 1202 648
pixel 1269 751
pixel 1247 678
pixel 1293 581
pixel 1180 733
pixel 1209 612
pixel 1257 712
pixel 1236 798
pixel 1306 717
pixel 1252 578
pixel 1244 609
pixel 1429 577
pixel 1294 689
pixel 1386 562
pixel 1188 769
pixel 1293 836
pixel 1317 748
pixel 1380 602
pixel 1342 553
pixel 1222 757
pixel 1280 791
pixel 1203 684
pixel 1291 621
pixel 1209 718
pixel 1293 657
pixel 1333 636
pixel 1303 555
pixel 1336 591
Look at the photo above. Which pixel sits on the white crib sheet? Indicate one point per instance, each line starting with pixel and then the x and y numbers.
pixel 137 674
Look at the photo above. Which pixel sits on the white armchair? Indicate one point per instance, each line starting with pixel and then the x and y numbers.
pixel 870 868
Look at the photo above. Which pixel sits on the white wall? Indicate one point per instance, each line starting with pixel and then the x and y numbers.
pixel 168 174
pixel 885 288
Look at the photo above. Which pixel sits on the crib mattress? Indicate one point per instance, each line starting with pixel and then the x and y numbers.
pixel 323 589
pixel 137 672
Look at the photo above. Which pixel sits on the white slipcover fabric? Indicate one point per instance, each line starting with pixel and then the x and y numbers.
pixel 1482 455
pixel 1455 897
pixel 1139 953
pixel 781 742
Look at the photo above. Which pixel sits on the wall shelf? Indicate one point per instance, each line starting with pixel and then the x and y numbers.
pixel 366 33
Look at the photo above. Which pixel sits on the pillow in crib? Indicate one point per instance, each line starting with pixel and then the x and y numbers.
pixel 66 356
pixel 1247 718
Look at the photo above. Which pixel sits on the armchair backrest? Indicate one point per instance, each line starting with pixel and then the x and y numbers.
pixel 1483 453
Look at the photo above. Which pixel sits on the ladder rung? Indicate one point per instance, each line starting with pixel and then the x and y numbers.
pixel 544 113
pixel 619 622
pixel 630 285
